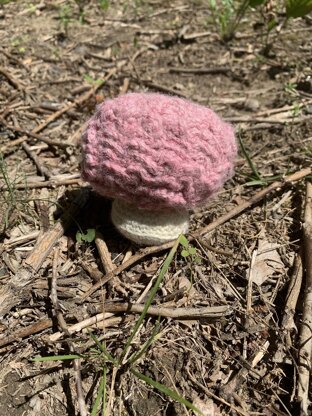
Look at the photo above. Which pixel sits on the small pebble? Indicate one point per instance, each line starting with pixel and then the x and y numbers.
pixel 251 104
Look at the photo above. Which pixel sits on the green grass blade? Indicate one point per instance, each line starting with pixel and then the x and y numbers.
pixel 101 395
pixel 57 358
pixel 161 275
pixel 249 161
pixel 170 393
pixel 96 341
pixel 298 8
pixel 146 345
pixel 256 182
pixel 101 347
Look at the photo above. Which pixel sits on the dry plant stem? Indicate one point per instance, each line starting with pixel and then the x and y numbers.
pixel 213 225
pixel 18 287
pixel 294 288
pixel 216 312
pixel 10 78
pixel 250 280
pixel 104 319
pixel 94 273
pixel 41 169
pixel 159 87
pixel 290 120
pixel 125 87
pixel 174 313
pixel 202 71
pixel 254 200
pixel 35 328
pixel 305 348
pixel 46 184
pixel 107 263
pixel 62 324
pixel 104 253
pixel 111 392
pixel 282 109
pixel 50 142
pixel 80 100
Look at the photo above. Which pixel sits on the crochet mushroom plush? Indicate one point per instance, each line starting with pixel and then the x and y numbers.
pixel 158 157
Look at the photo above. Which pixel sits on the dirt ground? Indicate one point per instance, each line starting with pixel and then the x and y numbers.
pixel 56 64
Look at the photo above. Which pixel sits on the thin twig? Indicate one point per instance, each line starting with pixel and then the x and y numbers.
pixel 209 312
pixel 201 71
pixel 159 87
pixel 305 348
pixel 104 319
pixel 104 253
pixel 41 169
pixel 107 263
pixel 292 296
pixel 50 142
pixel 32 329
pixel 10 78
pixel 52 183
pixel 213 312
pixel 289 120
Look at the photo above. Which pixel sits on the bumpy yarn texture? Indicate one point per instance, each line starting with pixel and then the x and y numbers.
pixel 156 151
pixel 148 227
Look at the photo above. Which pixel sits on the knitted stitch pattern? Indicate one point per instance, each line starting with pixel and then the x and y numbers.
pixel 148 227
pixel 157 151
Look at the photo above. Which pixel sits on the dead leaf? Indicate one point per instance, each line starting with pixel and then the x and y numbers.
pixel 267 262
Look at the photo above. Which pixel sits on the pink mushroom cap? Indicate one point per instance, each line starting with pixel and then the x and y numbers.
pixel 157 152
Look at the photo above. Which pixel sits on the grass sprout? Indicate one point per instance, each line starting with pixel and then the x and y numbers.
pixel 255 178
pixel 168 392
pixel 151 297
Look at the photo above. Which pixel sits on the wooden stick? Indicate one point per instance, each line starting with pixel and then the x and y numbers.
pixel 50 142
pixel 41 169
pixel 26 332
pixel 294 288
pixel 213 312
pixel 174 313
pixel 104 253
pixel 305 348
pixel 209 312
pixel 11 80
pixel 201 71
pixel 210 227
pixel 46 184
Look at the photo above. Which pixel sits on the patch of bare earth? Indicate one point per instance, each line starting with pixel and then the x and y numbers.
pixel 243 358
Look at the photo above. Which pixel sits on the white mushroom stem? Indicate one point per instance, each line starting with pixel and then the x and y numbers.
pixel 148 227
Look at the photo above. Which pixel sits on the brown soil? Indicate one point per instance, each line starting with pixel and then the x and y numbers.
pixel 49 59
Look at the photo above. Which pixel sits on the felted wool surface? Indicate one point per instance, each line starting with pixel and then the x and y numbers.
pixel 157 151
pixel 148 227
